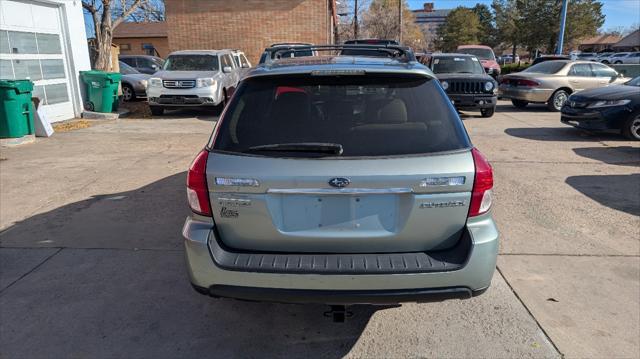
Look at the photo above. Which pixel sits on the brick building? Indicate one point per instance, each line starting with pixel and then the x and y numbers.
pixel 249 25
pixel 142 38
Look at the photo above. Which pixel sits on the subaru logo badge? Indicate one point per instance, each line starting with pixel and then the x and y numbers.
pixel 339 182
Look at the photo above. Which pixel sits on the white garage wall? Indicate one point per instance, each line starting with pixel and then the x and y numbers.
pixel 63 17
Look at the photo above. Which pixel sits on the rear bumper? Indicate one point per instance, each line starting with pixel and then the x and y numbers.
pixel 278 295
pixel 524 94
pixel 473 276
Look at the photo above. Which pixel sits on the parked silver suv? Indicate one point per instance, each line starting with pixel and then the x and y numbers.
pixel 203 78
pixel 340 180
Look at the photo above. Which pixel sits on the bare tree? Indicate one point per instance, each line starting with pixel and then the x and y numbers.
pixel 350 18
pixel 381 21
pixel 108 14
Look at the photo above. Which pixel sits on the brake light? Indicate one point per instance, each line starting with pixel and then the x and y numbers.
pixel 481 196
pixel 197 189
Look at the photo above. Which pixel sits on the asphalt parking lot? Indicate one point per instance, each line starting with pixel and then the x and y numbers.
pixel 91 254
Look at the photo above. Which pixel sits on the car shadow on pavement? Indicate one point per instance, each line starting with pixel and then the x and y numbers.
pixel 532 107
pixel 619 192
pixel 620 155
pixel 569 134
pixel 200 114
pixel 118 287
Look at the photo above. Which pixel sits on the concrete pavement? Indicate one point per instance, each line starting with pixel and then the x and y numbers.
pixel 92 267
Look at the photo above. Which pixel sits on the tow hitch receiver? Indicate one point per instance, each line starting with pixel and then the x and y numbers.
pixel 339 313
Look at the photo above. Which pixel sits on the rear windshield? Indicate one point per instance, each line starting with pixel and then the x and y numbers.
pixel 192 63
pixel 482 54
pixel 364 115
pixel 456 64
pixel 356 52
pixel 294 53
pixel 547 67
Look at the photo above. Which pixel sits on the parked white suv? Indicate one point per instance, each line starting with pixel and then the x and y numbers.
pixel 193 78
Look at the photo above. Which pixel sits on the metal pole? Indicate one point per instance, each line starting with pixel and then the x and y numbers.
pixel 355 21
pixel 400 22
pixel 563 20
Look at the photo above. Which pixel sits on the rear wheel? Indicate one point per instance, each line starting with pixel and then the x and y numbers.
pixel 618 62
pixel 519 103
pixel 631 127
pixel 127 93
pixel 487 112
pixel 557 100
pixel 157 110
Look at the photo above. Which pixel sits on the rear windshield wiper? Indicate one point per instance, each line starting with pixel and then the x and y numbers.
pixel 309 147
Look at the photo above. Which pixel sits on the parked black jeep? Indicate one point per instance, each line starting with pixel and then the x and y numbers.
pixel 465 82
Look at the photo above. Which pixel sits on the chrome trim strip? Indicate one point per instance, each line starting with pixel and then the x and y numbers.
pixel 339 190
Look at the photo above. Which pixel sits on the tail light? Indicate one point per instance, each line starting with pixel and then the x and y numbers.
pixel 481 196
pixel 527 83
pixel 197 190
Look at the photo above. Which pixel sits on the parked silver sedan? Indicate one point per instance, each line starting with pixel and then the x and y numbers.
pixel 552 82
pixel 134 83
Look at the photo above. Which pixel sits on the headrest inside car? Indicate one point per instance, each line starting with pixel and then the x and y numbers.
pixel 394 111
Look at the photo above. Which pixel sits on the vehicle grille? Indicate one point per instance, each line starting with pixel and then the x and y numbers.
pixel 179 84
pixel 466 87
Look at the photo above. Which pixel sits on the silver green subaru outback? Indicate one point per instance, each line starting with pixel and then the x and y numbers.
pixel 340 180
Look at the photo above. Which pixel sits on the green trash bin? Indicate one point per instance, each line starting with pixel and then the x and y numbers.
pixel 16 109
pixel 101 90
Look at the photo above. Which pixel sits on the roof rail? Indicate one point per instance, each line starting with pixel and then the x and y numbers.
pixel 401 53
pixel 291 43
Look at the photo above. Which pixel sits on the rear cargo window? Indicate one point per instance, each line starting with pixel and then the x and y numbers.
pixel 362 115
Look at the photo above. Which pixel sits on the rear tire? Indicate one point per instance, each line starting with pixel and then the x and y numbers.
pixel 519 103
pixel 618 62
pixel 631 127
pixel 487 112
pixel 557 100
pixel 157 110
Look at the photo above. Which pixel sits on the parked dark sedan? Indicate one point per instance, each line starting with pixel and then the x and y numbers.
pixel 465 81
pixel 611 108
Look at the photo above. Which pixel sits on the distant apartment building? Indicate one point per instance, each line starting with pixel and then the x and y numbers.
pixel 430 19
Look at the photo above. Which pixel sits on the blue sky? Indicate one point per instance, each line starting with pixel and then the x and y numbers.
pixel 618 12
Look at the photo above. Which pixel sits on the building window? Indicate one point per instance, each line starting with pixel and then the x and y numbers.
pixel 125 47
pixel 37 57
pixel 149 49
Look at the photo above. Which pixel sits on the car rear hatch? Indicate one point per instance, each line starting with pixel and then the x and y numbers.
pixel 362 164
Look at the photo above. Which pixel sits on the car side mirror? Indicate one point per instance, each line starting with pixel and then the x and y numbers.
pixel 227 69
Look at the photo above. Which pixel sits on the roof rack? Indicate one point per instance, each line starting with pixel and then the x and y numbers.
pixel 401 53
